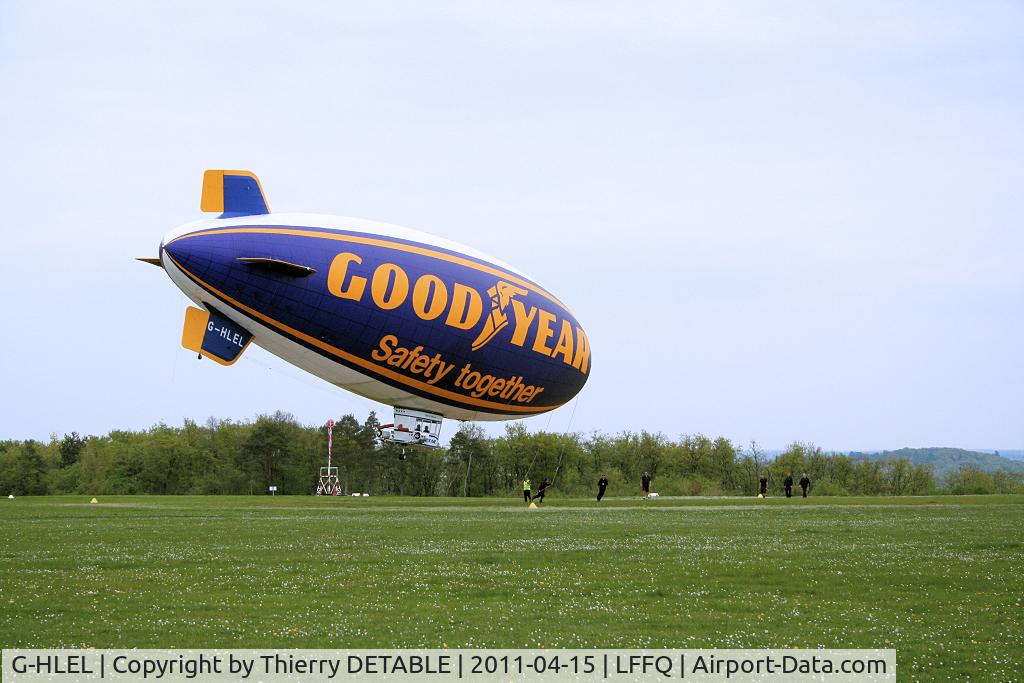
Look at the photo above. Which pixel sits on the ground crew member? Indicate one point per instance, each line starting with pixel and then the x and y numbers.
pixel 788 483
pixel 544 484
pixel 805 483
pixel 645 484
pixel 526 489
pixel 764 484
pixel 602 484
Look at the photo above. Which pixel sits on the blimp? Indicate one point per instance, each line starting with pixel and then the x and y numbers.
pixel 430 327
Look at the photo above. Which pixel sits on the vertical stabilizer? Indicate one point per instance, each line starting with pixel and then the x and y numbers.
pixel 233 193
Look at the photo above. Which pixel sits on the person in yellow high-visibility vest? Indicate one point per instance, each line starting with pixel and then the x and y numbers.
pixel 526 489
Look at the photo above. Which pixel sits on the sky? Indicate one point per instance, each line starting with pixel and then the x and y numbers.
pixel 792 221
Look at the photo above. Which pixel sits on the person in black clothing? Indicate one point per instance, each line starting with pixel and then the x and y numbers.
pixel 602 484
pixel 788 483
pixel 805 483
pixel 763 481
pixel 645 484
pixel 544 484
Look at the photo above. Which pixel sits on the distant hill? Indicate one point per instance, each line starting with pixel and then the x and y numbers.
pixel 946 460
pixel 1009 453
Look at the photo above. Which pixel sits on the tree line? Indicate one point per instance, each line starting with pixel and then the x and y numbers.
pixel 227 457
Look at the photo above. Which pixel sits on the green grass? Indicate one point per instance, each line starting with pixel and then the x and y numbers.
pixel 939 579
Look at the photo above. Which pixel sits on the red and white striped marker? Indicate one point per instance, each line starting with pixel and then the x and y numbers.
pixel 330 437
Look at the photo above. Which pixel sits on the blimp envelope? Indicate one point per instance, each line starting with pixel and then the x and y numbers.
pixel 398 316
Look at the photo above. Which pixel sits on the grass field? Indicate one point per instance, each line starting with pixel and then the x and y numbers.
pixel 939 579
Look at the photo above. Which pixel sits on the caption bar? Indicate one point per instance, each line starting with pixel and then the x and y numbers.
pixel 313 666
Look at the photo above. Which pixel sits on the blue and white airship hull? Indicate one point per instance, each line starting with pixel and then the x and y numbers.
pixel 393 314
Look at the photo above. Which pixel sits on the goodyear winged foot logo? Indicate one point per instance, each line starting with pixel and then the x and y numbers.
pixel 501 294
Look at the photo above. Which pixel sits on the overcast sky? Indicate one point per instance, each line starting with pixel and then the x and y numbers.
pixel 776 221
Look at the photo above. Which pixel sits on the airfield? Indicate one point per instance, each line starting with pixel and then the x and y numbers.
pixel 937 578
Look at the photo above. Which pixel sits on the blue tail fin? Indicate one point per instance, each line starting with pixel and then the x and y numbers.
pixel 213 335
pixel 233 193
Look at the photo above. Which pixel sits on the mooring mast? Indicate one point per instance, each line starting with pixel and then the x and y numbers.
pixel 329 484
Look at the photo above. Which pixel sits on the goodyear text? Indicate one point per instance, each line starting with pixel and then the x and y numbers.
pixel 462 307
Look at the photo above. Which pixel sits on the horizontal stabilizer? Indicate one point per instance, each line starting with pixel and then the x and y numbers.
pixel 277 265
pixel 213 335
pixel 151 261
pixel 233 193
